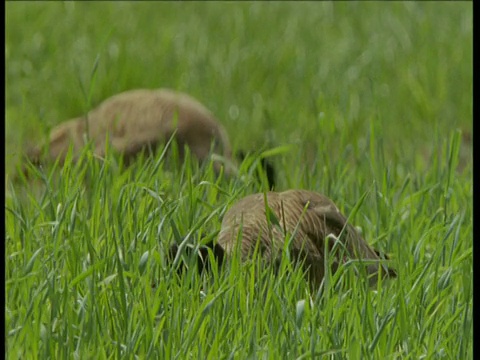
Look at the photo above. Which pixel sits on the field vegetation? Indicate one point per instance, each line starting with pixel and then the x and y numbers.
pixel 368 103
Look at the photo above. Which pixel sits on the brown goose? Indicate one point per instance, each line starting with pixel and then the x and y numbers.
pixel 140 119
pixel 308 217
pixel 137 119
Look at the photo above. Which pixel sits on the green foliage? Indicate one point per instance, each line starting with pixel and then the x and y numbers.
pixel 368 103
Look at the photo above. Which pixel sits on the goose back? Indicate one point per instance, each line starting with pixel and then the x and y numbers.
pixel 138 119
pixel 307 218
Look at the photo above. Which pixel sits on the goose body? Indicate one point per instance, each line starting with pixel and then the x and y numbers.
pixel 137 119
pixel 308 217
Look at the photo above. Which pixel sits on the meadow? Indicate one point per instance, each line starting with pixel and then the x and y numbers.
pixel 368 103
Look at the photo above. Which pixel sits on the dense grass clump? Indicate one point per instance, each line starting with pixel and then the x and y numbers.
pixel 368 103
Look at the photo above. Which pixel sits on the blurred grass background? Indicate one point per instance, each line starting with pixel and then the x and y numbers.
pixel 274 73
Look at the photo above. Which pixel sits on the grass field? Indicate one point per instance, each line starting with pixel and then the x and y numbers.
pixel 361 98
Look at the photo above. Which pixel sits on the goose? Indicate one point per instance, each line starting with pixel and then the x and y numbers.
pixel 311 222
pixel 140 119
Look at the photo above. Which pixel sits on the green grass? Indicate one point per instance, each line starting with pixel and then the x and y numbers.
pixel 368 98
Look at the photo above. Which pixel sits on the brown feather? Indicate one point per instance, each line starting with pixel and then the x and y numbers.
pixel 138 119
pixel 308 216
